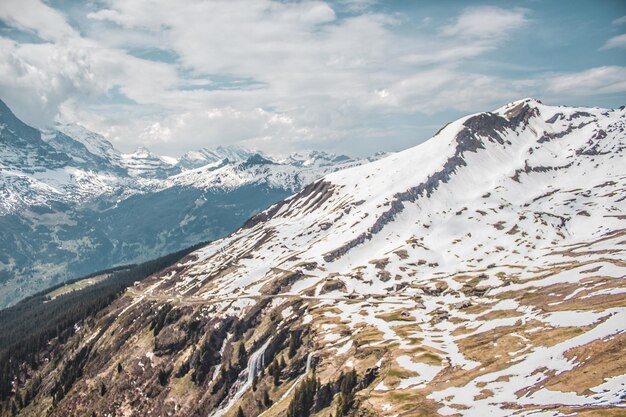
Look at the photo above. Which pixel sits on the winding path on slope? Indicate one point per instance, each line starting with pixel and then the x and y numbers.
pixel 181 300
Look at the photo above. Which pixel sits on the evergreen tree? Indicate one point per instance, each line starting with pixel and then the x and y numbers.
pixel 302 402
pixel 341 405
pixel 348 381
pixel 277 378
pixel 242 354
pixel 119 368
pixel 345 401
pixel 294 344
pixel 240 412
pixel 163 376
pixel 275 372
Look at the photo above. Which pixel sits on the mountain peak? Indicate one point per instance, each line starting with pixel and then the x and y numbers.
pixel 142 151
pixel 206 156
pixel 255 159
pixel 95 143
pixel 143 163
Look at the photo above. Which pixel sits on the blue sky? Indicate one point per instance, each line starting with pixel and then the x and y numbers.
pixel 353 76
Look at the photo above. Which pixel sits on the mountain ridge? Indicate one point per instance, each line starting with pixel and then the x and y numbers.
pixel 493 285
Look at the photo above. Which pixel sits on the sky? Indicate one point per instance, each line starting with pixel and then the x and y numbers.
pixel 352 76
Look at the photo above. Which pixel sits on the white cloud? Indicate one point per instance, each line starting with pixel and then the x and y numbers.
pixel 37 17
pixel 486 22
pixel 600 80
pixel 474 32
pixel 265 73
pixel 436 90
pixel 46 74
pixel 616 42
pixel 619 21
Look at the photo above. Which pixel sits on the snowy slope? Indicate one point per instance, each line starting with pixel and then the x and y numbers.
pixel 480 273
pixel 94 143
pixel 521 166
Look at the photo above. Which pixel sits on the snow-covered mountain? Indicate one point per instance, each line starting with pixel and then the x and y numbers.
pixel 95 144
pixel 71 204
pixel 313 158
pixel 205 156
pixel 479 273
pixel 41 168
pixel 143 163
pixel 22 147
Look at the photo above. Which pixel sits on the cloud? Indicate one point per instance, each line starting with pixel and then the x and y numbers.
pixel 619 21
pixel 436 90
pixel 615 42
pixel 600 80
pixel 36 17
pixel 357 5
pixel 474 32
pixel 47 74
pixel 270 74
pixel 486 22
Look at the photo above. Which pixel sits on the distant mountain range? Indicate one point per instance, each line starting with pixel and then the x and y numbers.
pixel 71 204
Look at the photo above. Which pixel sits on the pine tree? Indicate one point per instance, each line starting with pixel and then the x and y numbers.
pixel 347 383
pixel 27 397
pixel 302 402
pixel 340 405
pixel 240 412
pixel 294 344
pixel 119 368
pixel 274 370
pixel 266 399
pixel 103 389
pixel 163 376
pixel 242 354
pixel 277 377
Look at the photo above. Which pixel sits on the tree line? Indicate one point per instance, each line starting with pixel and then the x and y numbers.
pixel 27 328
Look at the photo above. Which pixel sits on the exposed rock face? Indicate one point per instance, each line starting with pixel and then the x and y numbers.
pixel 170 339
